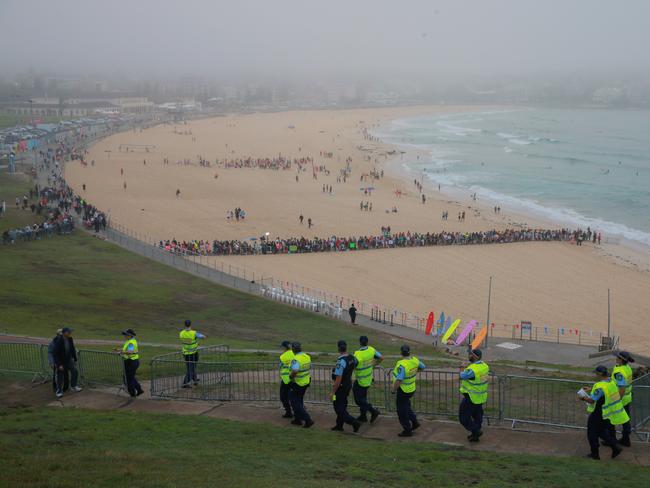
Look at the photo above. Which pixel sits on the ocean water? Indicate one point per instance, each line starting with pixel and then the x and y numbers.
pixel 576 167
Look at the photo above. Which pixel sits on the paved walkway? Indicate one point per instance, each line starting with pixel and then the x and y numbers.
pixel 500 439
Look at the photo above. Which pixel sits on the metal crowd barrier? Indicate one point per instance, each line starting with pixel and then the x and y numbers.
pixel 512 398
pixel 31 359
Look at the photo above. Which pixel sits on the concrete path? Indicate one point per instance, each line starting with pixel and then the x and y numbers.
pixel 498 439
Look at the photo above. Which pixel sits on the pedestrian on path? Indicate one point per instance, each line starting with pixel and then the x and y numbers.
pixel 367 358
pixel 622 375
pixel 285 382
pixel 300 380
pixel 474 381
pixel 353 313
pixel 65 362
pixel 190 346
pixel 131 357
pixel 342 377
pixel 404 386
pixel 605 413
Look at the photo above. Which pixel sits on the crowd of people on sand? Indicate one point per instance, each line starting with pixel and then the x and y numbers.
pixel 365 206
pixel 386 240
pixel 237 214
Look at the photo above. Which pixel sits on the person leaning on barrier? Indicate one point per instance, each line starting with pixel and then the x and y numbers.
pixel 605 412
pixel 190 344
pixel 405 372
pixel 131 356
pixel 367 358
pixel 300 376
pixel 342 377
pixel 474 381
pixel 622 375
pixel 285 382
pixel 65 362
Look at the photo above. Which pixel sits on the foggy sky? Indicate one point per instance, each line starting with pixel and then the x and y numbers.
pixel 352 37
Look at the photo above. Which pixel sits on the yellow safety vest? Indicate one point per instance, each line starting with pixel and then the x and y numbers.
pixel 626 371
pixel 303 377
pixel 285 366
pixel 612 406
pixel 477 389
pixel 363 371
pixel 189 341
pixel 411 370
pixel 130 355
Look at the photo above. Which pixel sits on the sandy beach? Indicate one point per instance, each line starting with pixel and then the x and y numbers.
pixel 548 283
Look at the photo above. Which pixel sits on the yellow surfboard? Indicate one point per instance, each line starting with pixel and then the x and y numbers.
pixel 450 331
pixel 480 337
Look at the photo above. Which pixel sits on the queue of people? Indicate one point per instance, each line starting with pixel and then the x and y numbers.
pixel 263 245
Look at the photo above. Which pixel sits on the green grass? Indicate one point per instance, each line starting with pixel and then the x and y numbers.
pixel 53 447
pixel 12 186
pixel 100 289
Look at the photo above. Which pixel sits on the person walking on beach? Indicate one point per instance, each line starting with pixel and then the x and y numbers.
pixel 190 346
pixel 131 357
pixel 301 218
pixel 404 386
pixel 342 377
pixel 367 358
pixel 474 382
pixel 353 313
pixel 309 223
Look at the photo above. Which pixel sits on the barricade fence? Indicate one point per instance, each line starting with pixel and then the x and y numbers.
pixel 511 398
pixel 99 368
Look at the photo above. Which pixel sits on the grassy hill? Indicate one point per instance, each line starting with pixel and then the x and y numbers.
pixel 61 447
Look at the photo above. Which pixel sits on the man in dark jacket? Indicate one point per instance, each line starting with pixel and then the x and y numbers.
pixel 65 362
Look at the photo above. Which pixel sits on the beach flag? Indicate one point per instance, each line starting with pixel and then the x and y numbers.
pixel 450 330
pixel 441 321
pixel 480 337
pixel 430 321
pixel 465 332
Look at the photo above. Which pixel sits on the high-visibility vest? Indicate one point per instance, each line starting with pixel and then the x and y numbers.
pixel 303 377
pixel 477 389
pixel 365 368
pixel 130 355
pixel 612 406
pixel 411 370
pixel 285 366
pixel 189 341
pixel 626 371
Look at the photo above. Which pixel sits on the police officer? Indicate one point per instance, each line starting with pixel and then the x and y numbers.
pixel 622 375
pixel 285 383
pixel 190 343
pixel 404 374
pixel 474 387
pixel 605 413
pixel 129 353
pixel 367 358
pixel 300 376
pixel 342 377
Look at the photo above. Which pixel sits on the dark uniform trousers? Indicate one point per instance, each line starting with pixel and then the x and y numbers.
pixel 598 428
pixel 130 367
pixel 470 415
pixel 296 397
pixel 404 411
pixel 361 399
pixel 284 396
pixel 341 406
pixel 191 363
pixel 64 379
